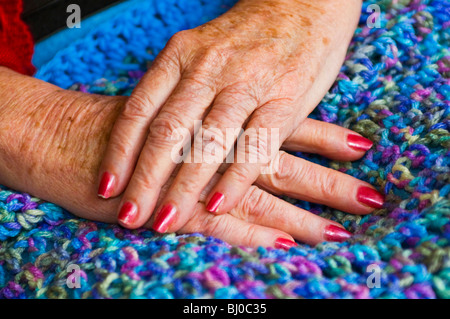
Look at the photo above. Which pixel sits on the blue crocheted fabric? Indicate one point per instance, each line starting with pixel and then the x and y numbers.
pixel 393 88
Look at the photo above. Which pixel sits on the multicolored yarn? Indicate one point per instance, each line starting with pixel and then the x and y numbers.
pixel 394 88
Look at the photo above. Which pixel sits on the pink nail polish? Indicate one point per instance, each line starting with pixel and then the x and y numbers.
pixel 370 197
pixel 214 202
pixel 127 213
pixel 358 142
pixel 335 233
pixel 283 243
pixel 106 185
pixel 165 218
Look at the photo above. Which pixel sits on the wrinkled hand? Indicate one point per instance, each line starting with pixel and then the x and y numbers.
pixel 70 131
pixel 263 64
pixel 263 219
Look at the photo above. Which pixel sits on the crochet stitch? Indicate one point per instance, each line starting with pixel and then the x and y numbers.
pixel 394 88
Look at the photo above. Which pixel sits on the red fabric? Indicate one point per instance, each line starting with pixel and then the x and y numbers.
pixel 16 42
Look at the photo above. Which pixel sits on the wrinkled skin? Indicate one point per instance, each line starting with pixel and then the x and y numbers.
pixel 261 64
pixel 52 142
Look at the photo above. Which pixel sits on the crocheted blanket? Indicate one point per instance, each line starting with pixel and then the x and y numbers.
pixel 394 88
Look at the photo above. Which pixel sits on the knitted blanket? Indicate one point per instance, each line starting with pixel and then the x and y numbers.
pixel 394 88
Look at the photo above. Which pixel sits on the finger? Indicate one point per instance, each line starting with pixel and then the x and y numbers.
pixel 255 149
pixel 261 208
pixel 211 145
pixel 329 140
pixel 236 231
pixel 187 104
pixel 131 127
pixel 326 139
pixel 252 222
pixel 301 179
pixel 228 228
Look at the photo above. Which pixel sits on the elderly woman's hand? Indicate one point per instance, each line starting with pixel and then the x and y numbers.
pixel 263 64
pixel 52 142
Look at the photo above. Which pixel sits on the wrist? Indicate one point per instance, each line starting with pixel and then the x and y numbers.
pixel 42 126
pixel 51 147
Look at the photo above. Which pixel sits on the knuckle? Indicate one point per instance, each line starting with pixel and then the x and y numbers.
pixel 178 40
pixel 209 56
pixel 232 109
pixel 250 235
pixel 137 107
pixel 145 182
pixel 301 221
pixel 321 136
pixel 255 202
pixel 280 109
pixel 188 185
pixel 207 64
pixel 285 170
pixel 324 180
pixel 178 50
pixel 216 226
pixel 330 185
pixel 239 174
pixel 121 146
pixel 194 89
pixel 163 127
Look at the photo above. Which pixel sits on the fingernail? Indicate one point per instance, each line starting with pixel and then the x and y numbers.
pixel 283 243
pixel 127 213
pixel 370 197
pixel 214 202
pixel 165 218
pixel 358 142
pixel 106 185
pixel 335 233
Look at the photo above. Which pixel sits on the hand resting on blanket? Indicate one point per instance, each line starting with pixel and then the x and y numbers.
pixel 52 142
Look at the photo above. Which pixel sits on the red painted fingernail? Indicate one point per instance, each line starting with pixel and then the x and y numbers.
pixel 214 202
pixel 106 185
pixel 358 142
pixel 335 233
pixel 127 213
pixel 283 243
pixel 165 218
pixel 370 197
